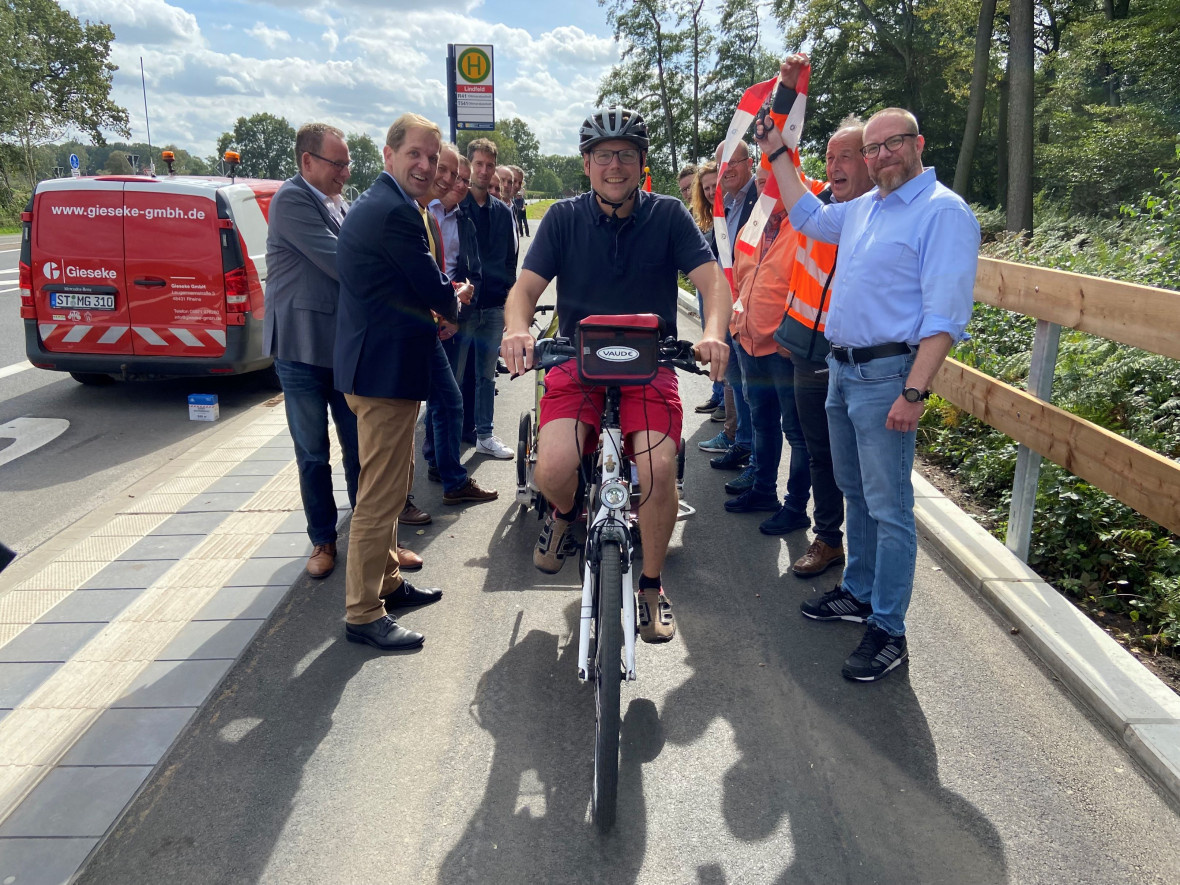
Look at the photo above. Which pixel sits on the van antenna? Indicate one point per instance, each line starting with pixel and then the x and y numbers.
pixel 143 80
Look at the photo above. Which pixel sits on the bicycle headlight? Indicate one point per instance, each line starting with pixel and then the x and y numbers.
pixel 615 494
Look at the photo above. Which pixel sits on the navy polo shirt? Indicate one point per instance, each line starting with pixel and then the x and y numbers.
pixel 613 266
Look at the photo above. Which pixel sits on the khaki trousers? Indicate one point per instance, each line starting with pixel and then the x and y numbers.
pixel 385 443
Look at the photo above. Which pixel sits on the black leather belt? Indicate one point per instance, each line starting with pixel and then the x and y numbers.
pixel 864 354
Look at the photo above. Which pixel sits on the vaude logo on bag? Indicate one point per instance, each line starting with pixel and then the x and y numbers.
pixel 616 354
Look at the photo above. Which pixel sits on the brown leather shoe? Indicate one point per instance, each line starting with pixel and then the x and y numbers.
pixel 412 515
pixel 817 560
pixel 470 491
pixel 408 559
pixel 322 560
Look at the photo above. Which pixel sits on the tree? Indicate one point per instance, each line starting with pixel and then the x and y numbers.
pixel 266 144
pixel 981 68
pixel 568 171
pixel 740 62
pixel 56 75
pixel 1021 96
pixel 528 149
pixel 546 182
pixel 366 160
pixel 649 73
pixel 118 164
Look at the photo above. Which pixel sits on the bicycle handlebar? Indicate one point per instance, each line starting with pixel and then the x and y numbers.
pixel 550 352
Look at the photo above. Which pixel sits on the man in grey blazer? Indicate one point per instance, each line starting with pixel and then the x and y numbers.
pixel 300 328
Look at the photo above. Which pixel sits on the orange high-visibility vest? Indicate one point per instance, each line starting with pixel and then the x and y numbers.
pixel 806 315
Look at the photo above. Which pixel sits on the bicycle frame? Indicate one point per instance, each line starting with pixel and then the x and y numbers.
pixel 612 524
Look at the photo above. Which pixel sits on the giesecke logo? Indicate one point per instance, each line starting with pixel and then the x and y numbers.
pixel 474 65
pixel 617 354
pixel 51 270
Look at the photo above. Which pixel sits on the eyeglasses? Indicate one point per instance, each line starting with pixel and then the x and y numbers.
pixel 627 156
pixel 893 142
pixel 335 163
pixel 466 182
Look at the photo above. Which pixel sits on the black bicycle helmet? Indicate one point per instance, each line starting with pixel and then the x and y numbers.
pixel 613 122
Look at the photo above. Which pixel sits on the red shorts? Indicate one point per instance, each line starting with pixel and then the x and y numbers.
pixel 654 407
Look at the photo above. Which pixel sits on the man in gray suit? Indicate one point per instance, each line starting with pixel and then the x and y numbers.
pixel 300 329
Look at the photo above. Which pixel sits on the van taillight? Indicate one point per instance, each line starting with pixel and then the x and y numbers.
pixel 237 291
pixel 28 310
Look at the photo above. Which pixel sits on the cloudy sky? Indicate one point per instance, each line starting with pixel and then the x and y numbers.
pixel 355 63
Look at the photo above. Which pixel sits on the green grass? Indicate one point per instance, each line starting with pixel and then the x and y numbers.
pixel 9 229
pixel 535 211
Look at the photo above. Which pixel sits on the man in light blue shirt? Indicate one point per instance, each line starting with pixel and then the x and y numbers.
pixel 902 297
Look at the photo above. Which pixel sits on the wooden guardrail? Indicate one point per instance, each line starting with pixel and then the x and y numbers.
pixel 1140 316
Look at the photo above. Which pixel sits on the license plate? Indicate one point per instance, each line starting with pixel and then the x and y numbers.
pixel 76 301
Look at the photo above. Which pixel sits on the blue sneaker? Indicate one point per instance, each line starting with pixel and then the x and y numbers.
pixel 743 483
pixel 719 443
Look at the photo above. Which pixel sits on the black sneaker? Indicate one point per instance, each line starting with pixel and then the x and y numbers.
pixel 837 605
pixel 877 654
pixel 735 458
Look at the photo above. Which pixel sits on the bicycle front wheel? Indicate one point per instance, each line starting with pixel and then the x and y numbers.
pixel 608 680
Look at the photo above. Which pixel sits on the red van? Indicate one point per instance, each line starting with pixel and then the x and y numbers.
pixel 139 277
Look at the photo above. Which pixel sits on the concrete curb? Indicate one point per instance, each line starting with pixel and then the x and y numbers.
pixel 1142 712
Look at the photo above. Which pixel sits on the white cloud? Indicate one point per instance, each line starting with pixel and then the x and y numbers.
pixel 147 22
pixel 351 64
pixel 267 36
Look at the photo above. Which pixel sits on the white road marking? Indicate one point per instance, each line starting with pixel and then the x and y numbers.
pixel 14 368
pixel 6 291
pixel 29 434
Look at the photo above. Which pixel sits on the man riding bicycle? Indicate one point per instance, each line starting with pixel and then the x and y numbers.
pixel 615 250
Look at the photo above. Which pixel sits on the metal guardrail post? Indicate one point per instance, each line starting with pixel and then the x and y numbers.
pixel 1028 462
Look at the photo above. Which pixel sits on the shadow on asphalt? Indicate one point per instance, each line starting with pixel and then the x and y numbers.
pixel 231 780
pixel 851 769
pixel 534 813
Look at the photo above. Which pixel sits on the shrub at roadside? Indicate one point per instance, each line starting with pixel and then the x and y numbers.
pixel 1084 542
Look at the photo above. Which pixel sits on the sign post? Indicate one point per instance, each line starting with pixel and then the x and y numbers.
pixel 471 87
pixel 74 164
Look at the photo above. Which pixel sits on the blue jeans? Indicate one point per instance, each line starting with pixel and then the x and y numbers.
pixel 872 467
pixel 811 394
pixel 481 332
pixel 733 377
pixel 769 383
pixel 718 394
pixel 308 396
pixel 444 419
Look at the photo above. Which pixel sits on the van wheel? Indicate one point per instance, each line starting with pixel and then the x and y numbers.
pixel 92 379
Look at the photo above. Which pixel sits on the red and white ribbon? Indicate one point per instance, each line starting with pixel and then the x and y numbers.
pixel 790 125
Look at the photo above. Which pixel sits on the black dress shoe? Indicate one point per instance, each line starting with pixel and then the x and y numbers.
pixel 408 594
pixel 383 633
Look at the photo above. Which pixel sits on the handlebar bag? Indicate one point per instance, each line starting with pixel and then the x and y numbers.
pixel 619 350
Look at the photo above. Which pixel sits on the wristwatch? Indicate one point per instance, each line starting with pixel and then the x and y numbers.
pixel 913 395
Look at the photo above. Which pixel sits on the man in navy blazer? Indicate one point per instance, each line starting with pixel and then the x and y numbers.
pixel 300 326
pixel 387 345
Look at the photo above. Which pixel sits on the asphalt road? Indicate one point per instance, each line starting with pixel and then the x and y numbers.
pixel 114 435
pixel 746 757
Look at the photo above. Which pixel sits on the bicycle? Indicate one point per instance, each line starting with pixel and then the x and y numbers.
pixel 527 493
pixel 612 352
pixel 528 496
